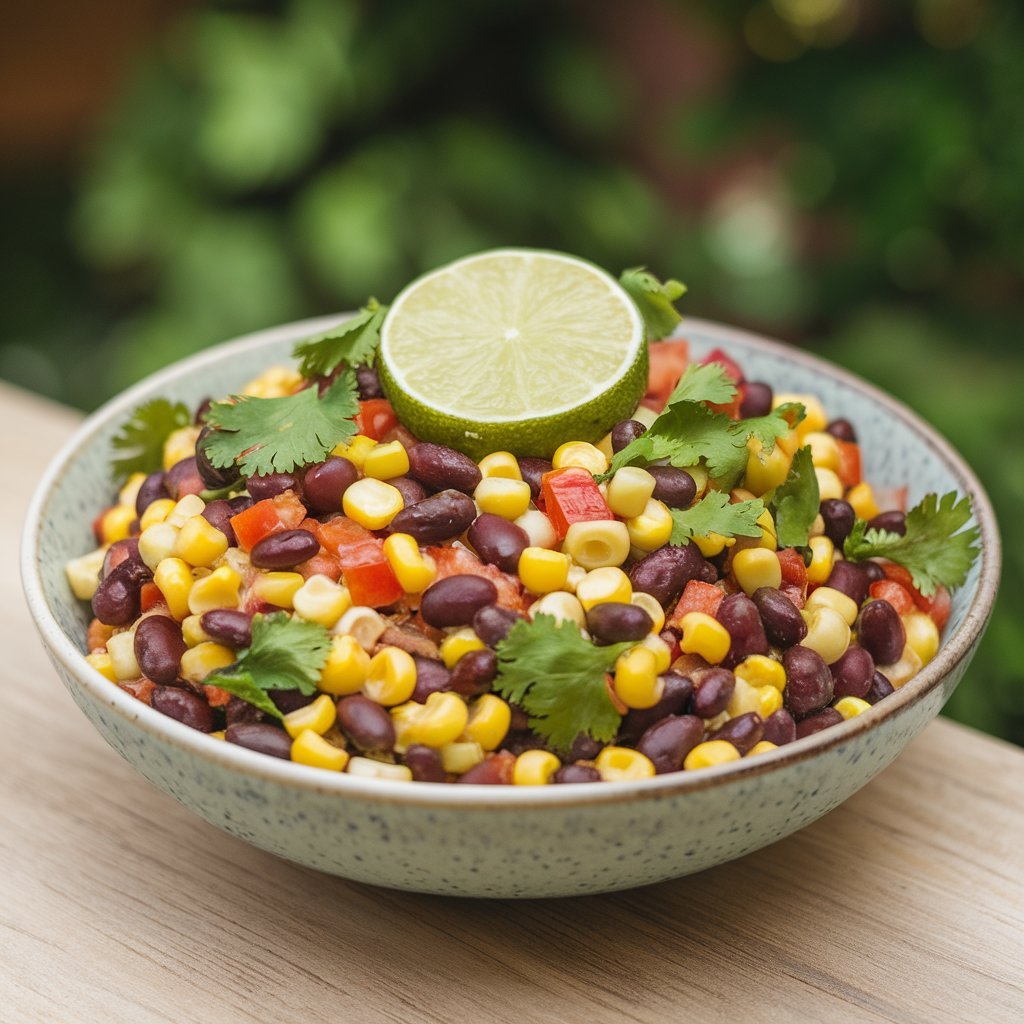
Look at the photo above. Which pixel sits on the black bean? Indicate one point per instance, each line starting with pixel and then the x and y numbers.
pixel 218 513
pixel 756 400
pixel 201 410
pixel 159 646
pixel 269 485
pixel 492 623
pixel 808 681
pixel 262 737
pixel 495 770
pixel 474 672
pixel 368 383
pixel 576 773
pixel 183 706
pixel 412 491
pixel 838 517
pixel 497 541
pixel 743 732
pixel 850 579
pixel 431 677
pixel 853 672
pixel 740 616
pixel 118 552
pixel 873 571
pixel 366 724
pixel 893 522
pixel 673 486
pixel 880 687
pixel 425 764
pixel 783 623
pixel 664 573
pixel 454 600
pixel 815 723
pixel 183 478
pixel 116 601
pixel 625 432
pixel 713 693
pixel 532 470
pixel 881 631
pixel 215 477
pixel 237 711
pixel 441 468
pixel 779 728
pixel 228 626
pixel 676 697
pixel 285 549
pixel 842 430
pixel 152 489
pixel 436 519
pixel 584 748
pixel 668 742
pixel 325 484
pixel 287 701
pixel 616 622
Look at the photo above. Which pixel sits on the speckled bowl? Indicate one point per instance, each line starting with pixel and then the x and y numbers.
pixel 503 841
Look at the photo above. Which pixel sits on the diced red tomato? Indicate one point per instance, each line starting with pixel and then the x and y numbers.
pixel 891 498
pixel 97 526
pixel 849 472
pixel 898 596
pixel 697 597
pixel 97 635
pixel 215 696
pixel 462 562
pixel 793 569
pixel 375 418
pixel 898 574
pixel 373 584
pixel 667 362
pixel 142 689
pixel 150 596
pixel 571 496
pixel 323 564
pixel 360 559
pixel 938 606
pixel 342 532
pixel 272 515
pixel 731 409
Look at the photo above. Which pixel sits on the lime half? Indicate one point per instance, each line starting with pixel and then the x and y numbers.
pixel 515 350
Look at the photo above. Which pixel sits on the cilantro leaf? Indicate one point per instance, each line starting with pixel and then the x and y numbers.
pixel 558 678
pixel 931 549
pixel 285 654
pixel 796 502
pixel 353 343
pixel 275 435
pixel 703 382
pixel 714 513
pixel 654 299
pixel 139 444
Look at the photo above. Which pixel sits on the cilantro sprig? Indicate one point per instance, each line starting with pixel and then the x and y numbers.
pixel 714 514
pixel 935 549
pixel 558 678
pixel 351 343
pixel 654 299
pixel 285 654
pixel 796 501
pixel 139 444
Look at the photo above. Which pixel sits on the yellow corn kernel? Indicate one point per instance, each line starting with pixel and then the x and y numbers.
pixel 309 747
pixel 372 503
pixel 158 542
pixel 180 444
pixel 828 633
pixel 346 667
pixel 760 670
pixel 84 573
pixel 829 597
pixel 156 512
pixel 274 382
pixel 580 453
pixel 184 509
pixel 174 578
pixel 789 442
pixel 367 768
pixel 562 607
pixel 534 768
pixel 457 758
pixel 193 632
pixel 218 590
pixel 629 490
pixel 850 707
pixel 862 498
pixel 814 412
pixel 391 677
pixel 598 544
pixel 710 753
pixel 637 683
pixel 898 673
pixel 600 586
pixel 755 568
pixel 200 543
pixel 458 643
pixel 403 720
pixel 362 623
pixel 218 735
pixel 705 636
pixel 745 698
pixel 319 715
pixel 355 449
pixel 577 574
pixel 103 663
pixel 765 470
pixel 116 522
pixel 129 492
pixel 922 635
pixel 277 588
pixel 661 651
pixel 386 461
pixel 543 571
pixel 769 536
pixel 199 661
pixel 645 414
pixel 829 485
pixel 761 748
pixel 503 464
pixel 604 446
pixel 652 528
pixel 824 450
pixel 321 600
pixel 817 527
pixel 769 700
pixel 699 475
pixel 121 649
pixel 623 764
pixel 442 720
pixel 822 556
pixel 652 606
pixel 488 722
pixel 538 528
pixel 414 570
pixel 713 544
pixel 503 496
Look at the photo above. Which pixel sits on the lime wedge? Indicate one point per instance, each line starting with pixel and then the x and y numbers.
pixel 515 350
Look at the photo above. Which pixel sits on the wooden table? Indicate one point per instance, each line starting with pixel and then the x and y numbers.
pixel 906 904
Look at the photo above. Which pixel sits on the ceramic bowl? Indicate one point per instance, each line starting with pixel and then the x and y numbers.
pixel 503 841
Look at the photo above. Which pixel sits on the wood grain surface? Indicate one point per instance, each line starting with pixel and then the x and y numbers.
pixel 906 904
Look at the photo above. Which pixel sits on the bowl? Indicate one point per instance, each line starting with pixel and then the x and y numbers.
pixel 503 841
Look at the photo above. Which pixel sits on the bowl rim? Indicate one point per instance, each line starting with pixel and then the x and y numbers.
pixel 433 796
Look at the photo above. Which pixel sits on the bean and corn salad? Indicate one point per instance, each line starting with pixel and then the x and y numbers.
pixel 398 610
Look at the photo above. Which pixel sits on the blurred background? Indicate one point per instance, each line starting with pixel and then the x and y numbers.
pixel 845 174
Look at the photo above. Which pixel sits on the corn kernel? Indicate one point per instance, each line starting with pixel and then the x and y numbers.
pixel 762 747
pixel 604 446
pixel 488 722
pixel 765 470
pixel 561 606
pixel 121 649
pixel 899 672
pixel 623 764
pixel 829 597
pixel 174 578
pixel 103 663
pixel 661 651
pixel 158 542
pixel 922 635
pixel 391 677
pixel 200 543
pixel 372 503
pixel 319 715
pixel 745 698
pixel 116 522
pixel 180 444
pixel 637 683
pixel 652 528
pixel 710 753
pixel 814 412
pixel 629 490
pixel 850 707
pixel 442 720
pixel 580 453
pixel 577 574
pixel 822 557
pixel 218 590
pixel 367 768
pixel 199 661
pixel 862 498
pixel 652 606
pixel 600 586
pixel 503 464
pixel 386 461
pixel 457 758
pixel 129 492
pixel 502 496
pixel 543 571
pixel 220 734
pixel 156 512
pixel 413 570
pixel 362 623
pixel 277 588
pixel 321 600
pixel 184 509
pixel 755 568
pixel 713 544
pixel 769 700
pixel 597 544
pixel 458 643
pixel 827 633
pixel 346 667
pixel 193 632
pixel 403 720
pixel 824 450
pixel 84 573
pixel 355 449
pixel 645 414
pixel 274 382
pixel 760 670
pixel 534 768
pixel 789 442
pixel 699 475
pixel 705 636
pixel 817 527
pixel 538 528
pixel 309 747
pixel 829 485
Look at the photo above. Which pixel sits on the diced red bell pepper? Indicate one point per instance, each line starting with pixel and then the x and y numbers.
pixel 571 496
pixel 216 697
pixel 461 562
pixel 150 596
pixel 323 564
pixel 360 556
pixel 667 361
pixel 793 569
pixel 849 472
pixel 272 515
pixel 375 418
pixel 898 596
pixel 697 597
pixel 372 584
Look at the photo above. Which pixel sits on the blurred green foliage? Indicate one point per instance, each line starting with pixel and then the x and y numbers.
pixel 844 174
